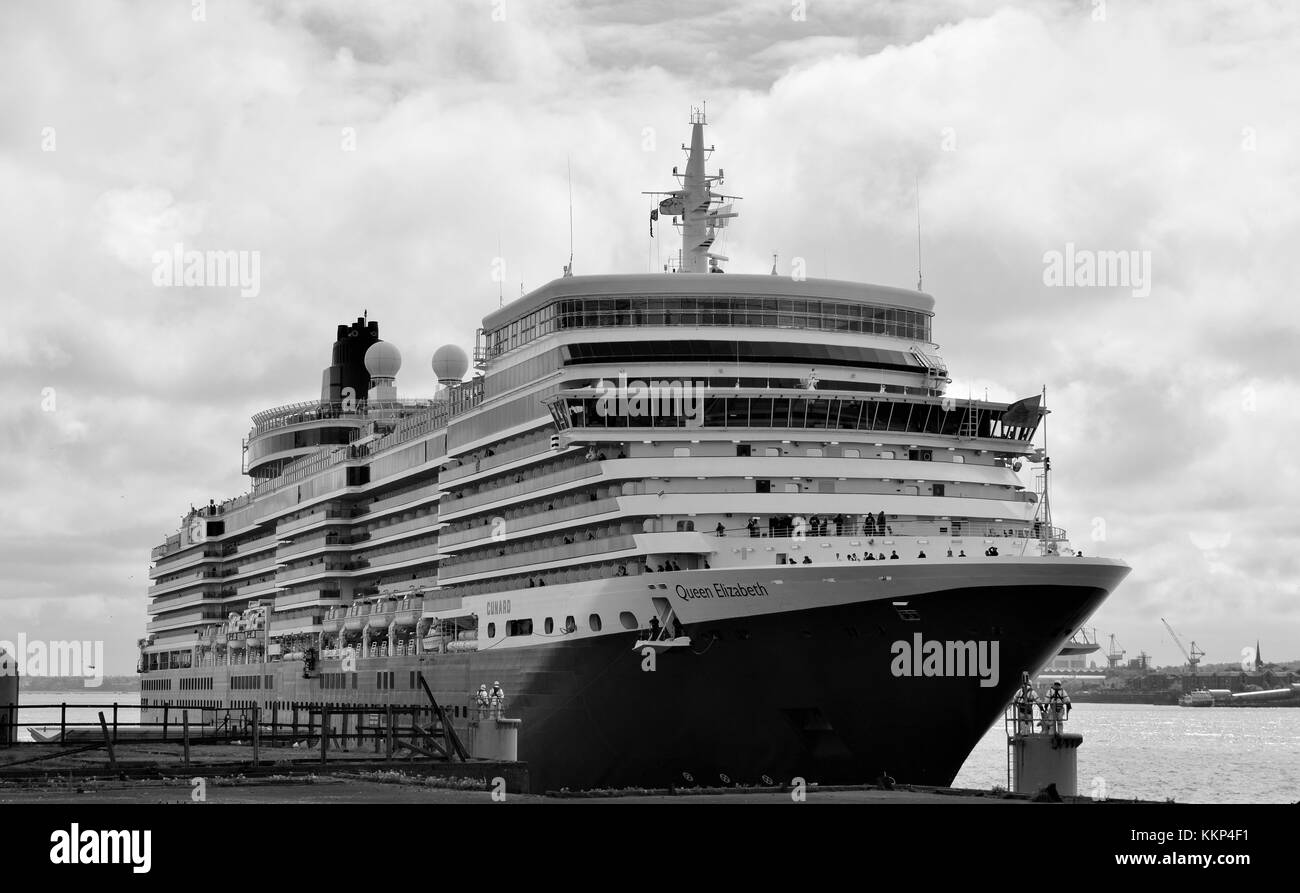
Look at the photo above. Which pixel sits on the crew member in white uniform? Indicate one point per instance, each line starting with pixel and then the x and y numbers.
pixel 1058 707
pixel 1026 699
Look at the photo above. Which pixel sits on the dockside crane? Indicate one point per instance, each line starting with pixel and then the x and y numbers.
pixel 1194 656
pixel 1114 656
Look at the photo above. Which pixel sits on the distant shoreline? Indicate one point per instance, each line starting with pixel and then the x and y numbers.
pixel 73 683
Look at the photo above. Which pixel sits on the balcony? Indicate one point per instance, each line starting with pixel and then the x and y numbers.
pixel 315 569
pixel 529 487
pixel 185 581
pixel 183 618
pixel 317 517
pixel 315 595
pixel 528 522
pixel 193 558
pixel 188 600
pixel 253 589
pixel 580 549
pixel 411 497
pixel 424 522
pixel 316 542
pixel 252 567
pixel 539 449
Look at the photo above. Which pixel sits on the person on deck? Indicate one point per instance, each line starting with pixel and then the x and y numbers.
pixel 1058 708
pixel 1025 701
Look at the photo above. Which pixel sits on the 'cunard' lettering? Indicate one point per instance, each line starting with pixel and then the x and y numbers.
pixel 931 657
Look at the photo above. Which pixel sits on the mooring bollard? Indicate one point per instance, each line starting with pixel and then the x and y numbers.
pixel 1041 754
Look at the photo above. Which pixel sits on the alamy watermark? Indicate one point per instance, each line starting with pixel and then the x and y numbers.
pixel 179 268
pixel 922 657
pixel 1085 268
pixel 53 658
pixel 649 399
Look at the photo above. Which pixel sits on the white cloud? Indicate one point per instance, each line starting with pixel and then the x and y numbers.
pixel 1169 129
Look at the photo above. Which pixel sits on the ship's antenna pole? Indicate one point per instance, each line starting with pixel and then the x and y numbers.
pixel 918 234
pixel 569 165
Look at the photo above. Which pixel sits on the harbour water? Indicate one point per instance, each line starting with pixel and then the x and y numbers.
pixel 79 702
pixel 1209 755
pixel 1212 755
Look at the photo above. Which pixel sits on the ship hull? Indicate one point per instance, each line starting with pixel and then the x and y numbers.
pixel 826 694
pixel 811 695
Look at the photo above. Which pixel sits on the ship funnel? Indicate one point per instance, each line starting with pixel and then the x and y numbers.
pixel 347 378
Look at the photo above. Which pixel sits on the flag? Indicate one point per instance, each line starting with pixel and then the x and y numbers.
pixel 1023 413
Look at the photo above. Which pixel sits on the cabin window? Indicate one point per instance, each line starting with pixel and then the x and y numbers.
pixel 772 451
pixel 570 625
pixel 959 458
pixel 549 626
pixel 790 488
pixel 886 454
pixel 852 454
pixel 628 619
pixel 742 449
pixel 492 630
pixel 522 627
pixel 762 486
pixel 594 623
pixel 937 490
pixel 685 525
pixel 920 455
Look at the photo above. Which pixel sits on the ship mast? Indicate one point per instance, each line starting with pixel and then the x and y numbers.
pixel 1046 535
pixel 695 209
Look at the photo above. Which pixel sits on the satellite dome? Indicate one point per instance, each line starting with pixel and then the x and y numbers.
pixel 450 363
pixel 383 360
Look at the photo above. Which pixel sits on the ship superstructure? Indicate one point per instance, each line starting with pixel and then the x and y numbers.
pixel 767 469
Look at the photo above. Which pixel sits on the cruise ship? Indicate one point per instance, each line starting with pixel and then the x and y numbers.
pixel 701 527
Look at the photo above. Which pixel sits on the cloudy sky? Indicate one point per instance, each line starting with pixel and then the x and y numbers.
pixel 380 156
